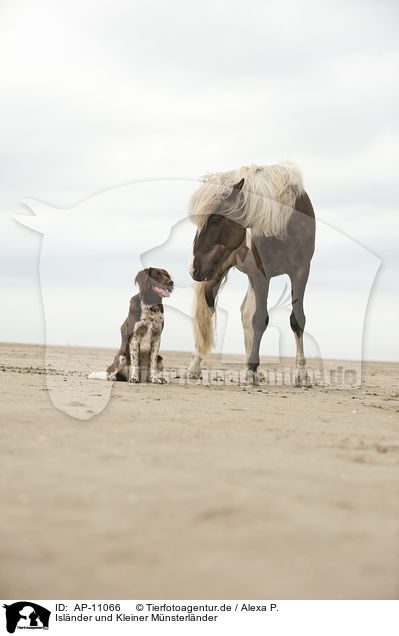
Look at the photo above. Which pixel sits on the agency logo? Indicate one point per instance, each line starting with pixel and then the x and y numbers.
pixel 26 615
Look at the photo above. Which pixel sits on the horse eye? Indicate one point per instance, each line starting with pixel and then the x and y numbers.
pixel 216 218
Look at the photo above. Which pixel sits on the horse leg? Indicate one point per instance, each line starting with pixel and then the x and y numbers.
pixel 254 319
pixel 297 321
pixel 194 369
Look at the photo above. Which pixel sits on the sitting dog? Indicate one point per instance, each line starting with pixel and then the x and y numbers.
pixel 137 359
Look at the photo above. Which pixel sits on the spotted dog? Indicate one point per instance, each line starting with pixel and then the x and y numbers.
pixel 138 358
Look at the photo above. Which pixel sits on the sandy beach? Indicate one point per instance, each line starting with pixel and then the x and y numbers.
pixel 210 490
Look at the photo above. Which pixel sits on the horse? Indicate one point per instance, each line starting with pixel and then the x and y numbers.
pixel 260 220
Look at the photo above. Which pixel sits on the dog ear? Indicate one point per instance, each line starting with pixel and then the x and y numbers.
pixel 142 277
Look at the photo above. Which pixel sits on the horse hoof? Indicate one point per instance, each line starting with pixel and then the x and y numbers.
pixel 158 381
pixel 303 381
pixel 194 374
pixel 252 377
pixel 134 380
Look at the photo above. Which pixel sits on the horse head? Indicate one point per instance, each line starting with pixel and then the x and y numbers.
pixel 218 236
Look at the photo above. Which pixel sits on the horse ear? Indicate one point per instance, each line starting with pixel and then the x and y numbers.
pixel 236 188
pixel 142 277
pixel 239 185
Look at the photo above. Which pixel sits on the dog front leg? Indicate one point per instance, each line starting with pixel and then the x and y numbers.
pixel 134 369
pixel 118 368
pixel 155 377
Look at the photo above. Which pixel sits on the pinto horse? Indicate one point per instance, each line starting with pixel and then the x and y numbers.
pixel 260 220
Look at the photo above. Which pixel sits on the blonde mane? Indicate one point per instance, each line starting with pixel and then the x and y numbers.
pixel 266 203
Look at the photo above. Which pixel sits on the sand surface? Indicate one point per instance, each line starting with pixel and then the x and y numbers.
pixel 195 491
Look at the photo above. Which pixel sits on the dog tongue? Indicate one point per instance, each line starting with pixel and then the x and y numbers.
pixel 161 292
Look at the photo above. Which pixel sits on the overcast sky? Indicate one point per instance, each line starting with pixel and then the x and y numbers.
pixel 99 94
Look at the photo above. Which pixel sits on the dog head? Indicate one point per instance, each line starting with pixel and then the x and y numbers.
pixel 154 284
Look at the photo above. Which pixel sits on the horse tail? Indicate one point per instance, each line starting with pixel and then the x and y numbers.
pixel 204 323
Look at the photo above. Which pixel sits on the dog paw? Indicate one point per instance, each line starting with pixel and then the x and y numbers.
pixel 158 381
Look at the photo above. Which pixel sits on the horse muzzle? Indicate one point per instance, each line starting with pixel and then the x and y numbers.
pixel 199 276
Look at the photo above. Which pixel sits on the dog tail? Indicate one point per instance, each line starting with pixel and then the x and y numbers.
pixel 98 375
